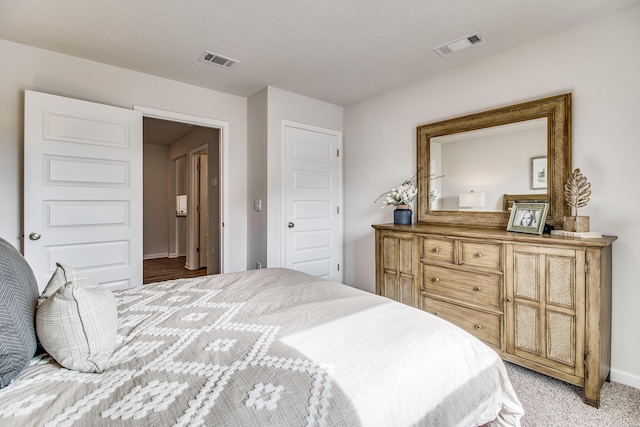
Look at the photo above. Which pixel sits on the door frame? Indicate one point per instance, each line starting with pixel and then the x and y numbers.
pixel 223 128
pixel 283 197
pixel 193 213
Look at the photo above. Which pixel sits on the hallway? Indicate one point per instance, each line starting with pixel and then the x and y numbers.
pixel 161 269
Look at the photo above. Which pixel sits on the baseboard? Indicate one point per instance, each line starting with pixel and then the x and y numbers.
pixel 155 256
pixel 175 255
pixel 625 378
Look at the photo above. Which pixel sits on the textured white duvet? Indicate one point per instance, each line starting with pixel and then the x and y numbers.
pixel 271 348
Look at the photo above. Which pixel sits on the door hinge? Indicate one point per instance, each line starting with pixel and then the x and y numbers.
pixel 586 269
pixel 338 210
pixel 338 267
pixel 338 152
pixel 198 249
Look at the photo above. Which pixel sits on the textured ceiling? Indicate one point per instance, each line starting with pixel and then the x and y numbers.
pixel 339 51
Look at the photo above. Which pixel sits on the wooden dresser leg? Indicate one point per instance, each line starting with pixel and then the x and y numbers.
pixel 592 394
pixel 590 402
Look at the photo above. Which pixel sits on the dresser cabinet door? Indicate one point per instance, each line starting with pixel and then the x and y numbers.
pixel 545 297
pixel 397 277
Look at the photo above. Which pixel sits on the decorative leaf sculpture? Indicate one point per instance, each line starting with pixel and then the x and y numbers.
pixel 577 190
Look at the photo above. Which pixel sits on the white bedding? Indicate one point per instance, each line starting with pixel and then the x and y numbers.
pixel 271 347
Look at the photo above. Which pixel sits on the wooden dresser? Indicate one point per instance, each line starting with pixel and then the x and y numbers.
pixel 543 302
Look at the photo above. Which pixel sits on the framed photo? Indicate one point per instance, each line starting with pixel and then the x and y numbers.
pixel 539 173
pixel 528 217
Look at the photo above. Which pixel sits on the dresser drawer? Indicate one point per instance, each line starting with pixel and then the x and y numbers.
pixel 485 255
pixel 486 327
pixel 437 249
pixel 477 288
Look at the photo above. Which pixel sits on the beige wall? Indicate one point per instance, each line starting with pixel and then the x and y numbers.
pixel 24 67
pixel 600 65
pixel 155 195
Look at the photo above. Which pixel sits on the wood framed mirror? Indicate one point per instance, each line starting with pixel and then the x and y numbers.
pixel 459 156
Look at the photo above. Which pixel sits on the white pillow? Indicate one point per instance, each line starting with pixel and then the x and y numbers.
pixel 77 321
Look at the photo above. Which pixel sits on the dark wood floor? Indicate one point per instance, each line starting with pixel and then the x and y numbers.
pixel 160 269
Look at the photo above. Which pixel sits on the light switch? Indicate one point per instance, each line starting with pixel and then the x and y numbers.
pixel 257 204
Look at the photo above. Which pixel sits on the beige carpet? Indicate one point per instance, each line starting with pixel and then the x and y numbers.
pixel 549 402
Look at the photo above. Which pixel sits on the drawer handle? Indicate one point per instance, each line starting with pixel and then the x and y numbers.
pixel 478 326
pixel 477 289
pixel 436 249
pixel 477 255
pixel 435 280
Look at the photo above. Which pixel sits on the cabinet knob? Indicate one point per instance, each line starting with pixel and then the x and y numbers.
pixel 508 299
pixel 477 289
pixel 477 255
pixel 436 249
pixel 436 313
pixel 478 326
pixel 435 280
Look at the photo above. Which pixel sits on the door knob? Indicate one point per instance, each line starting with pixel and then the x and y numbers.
pixel 290 225
pixel 34 236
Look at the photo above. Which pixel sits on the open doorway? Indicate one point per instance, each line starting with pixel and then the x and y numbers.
pixel 181 163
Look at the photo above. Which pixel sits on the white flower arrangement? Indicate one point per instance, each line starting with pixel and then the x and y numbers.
pixel 405 193
pixel 402 195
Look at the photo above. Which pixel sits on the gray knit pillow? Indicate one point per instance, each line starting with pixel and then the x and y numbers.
pixel 18 297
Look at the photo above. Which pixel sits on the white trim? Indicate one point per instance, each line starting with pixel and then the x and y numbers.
pixel 193 224
pixel 156 256
pixel 223 127
pixel 625 378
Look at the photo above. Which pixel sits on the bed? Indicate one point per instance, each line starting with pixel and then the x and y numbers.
pixel 271 347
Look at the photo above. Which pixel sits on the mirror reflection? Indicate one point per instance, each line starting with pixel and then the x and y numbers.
pixel 472 171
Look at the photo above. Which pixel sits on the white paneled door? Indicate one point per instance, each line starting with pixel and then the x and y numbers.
pixel 83 189
pixel 313 198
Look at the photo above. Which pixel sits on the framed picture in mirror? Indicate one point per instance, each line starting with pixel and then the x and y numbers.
pixel 528 217
pixel 539 173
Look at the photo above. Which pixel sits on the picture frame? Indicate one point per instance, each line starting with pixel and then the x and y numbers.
pixel 539 173
pixel 528 217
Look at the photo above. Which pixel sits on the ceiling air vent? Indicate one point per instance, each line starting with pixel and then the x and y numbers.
pixel 461 43
pixel 219 60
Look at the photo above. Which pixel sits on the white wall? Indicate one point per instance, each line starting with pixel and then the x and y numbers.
pixel 599 63
pixel 24 67
pixel 280 105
